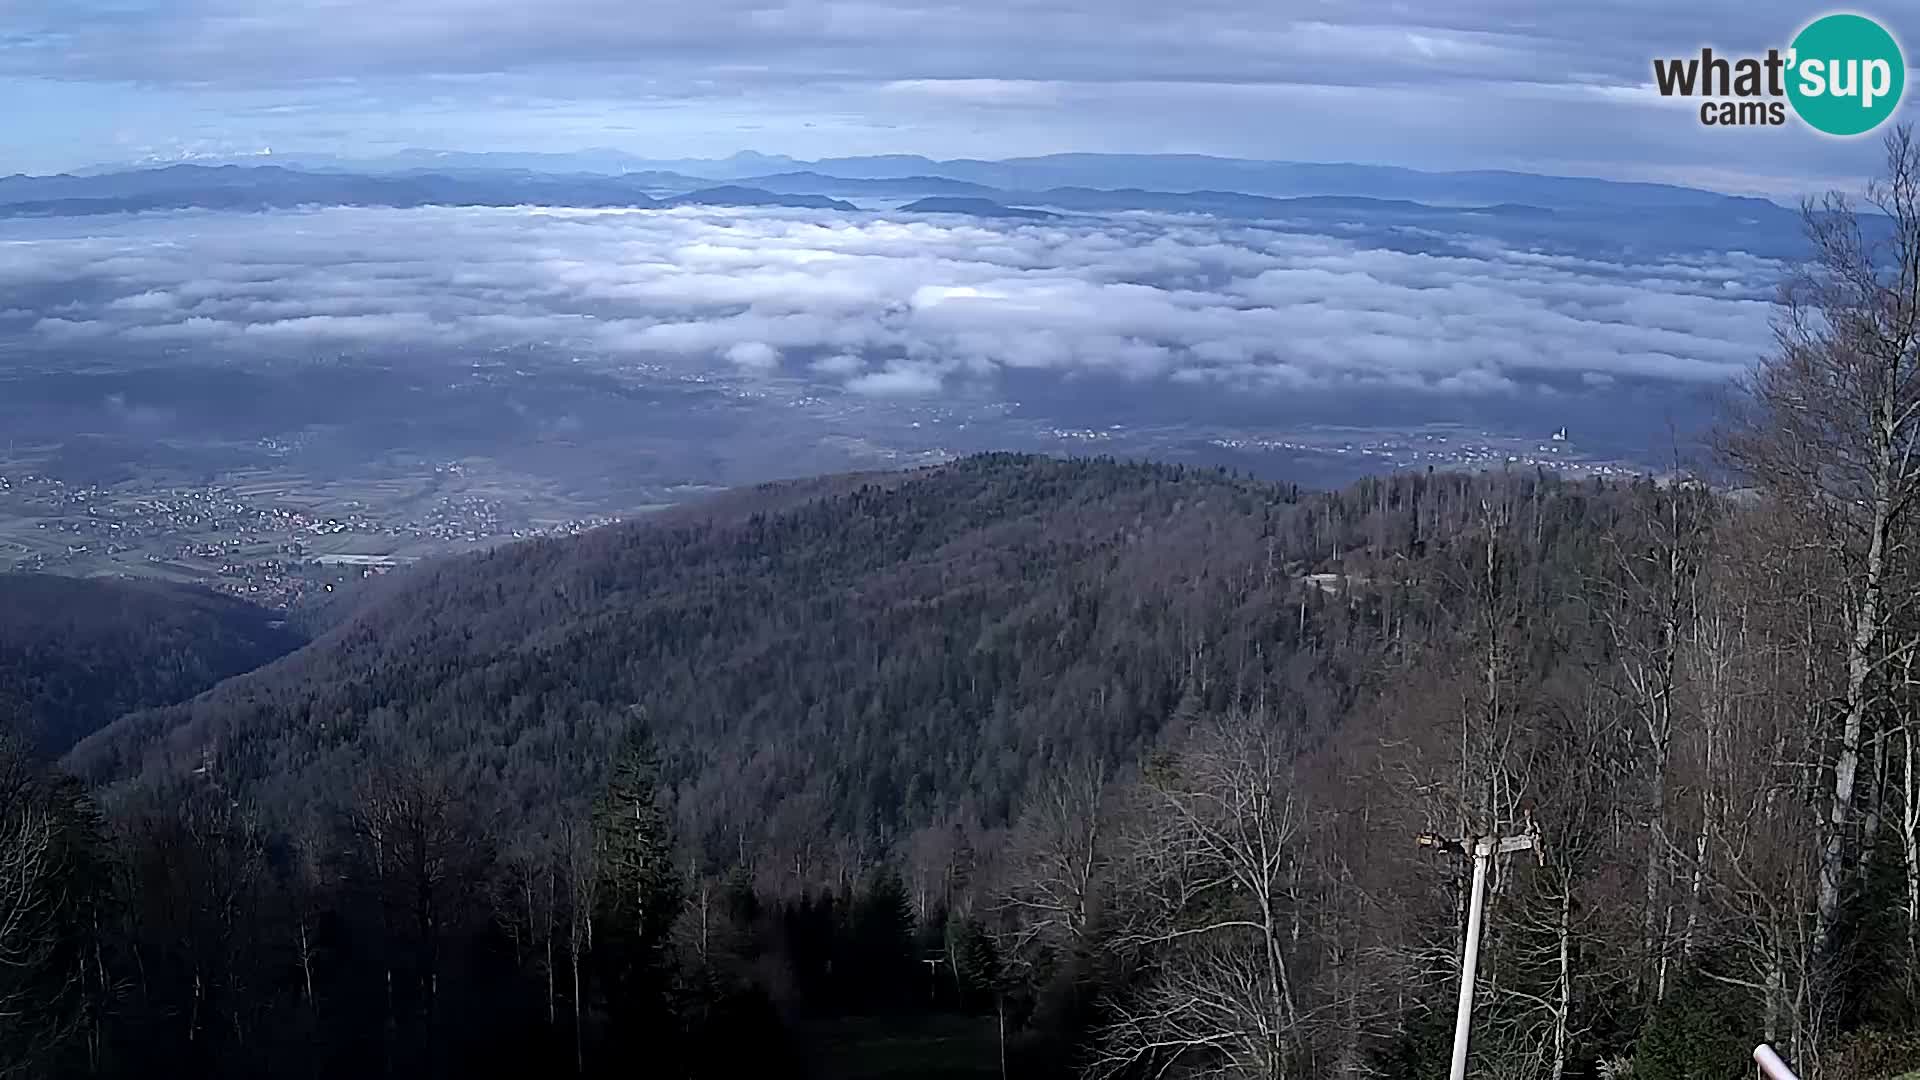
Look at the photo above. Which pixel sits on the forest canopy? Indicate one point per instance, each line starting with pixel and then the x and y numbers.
pixel 77 652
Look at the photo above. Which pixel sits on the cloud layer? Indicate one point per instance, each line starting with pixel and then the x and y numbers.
pixel 883 304
pixel 1435 84
pixel 744 41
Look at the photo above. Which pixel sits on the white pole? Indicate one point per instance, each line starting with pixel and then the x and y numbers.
pixel 1470 957
pixel 1770 1064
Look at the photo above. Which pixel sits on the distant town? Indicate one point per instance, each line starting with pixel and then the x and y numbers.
pixel 1446 448
pixel 245 542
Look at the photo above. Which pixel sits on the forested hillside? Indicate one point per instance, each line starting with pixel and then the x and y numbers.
pixel 1038 768
pixel 77 653
pixel 832 675
pixel 852 697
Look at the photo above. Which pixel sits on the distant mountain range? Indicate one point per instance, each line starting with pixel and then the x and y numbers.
pixel 266 187
pixel 1157 172
pixel 735 195
pixel 902 187
pixel 234 187
pixel 975 207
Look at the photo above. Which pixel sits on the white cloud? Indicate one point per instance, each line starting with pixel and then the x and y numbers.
pixel 886 306
pixel 71 330
pixel 838 364
pixel 939 47
pixel 146 301
pixel 754 357
pixel 898 380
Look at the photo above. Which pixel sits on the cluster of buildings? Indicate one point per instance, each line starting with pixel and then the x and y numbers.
pixel 1415 449
pixel 268 554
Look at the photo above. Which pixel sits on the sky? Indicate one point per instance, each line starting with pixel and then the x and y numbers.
pixel 1433 84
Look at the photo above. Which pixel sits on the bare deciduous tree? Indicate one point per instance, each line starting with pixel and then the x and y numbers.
pixel 1648 603
pixel 30 898
pixel 1832 434
pixel 1206 889
pixel 1054 862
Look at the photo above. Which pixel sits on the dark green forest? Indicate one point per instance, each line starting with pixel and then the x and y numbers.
pixel 1026 767
pixel 76 653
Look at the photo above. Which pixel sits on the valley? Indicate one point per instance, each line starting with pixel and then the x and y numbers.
pixel 274 512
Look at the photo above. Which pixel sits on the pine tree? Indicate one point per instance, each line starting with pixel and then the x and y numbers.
pixel 636 898
pixel 883 956
pixel 633 847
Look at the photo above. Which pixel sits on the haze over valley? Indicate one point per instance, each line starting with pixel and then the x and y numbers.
pixel 258 375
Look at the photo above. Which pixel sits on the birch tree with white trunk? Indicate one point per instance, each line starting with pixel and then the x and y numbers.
pixel 1831 433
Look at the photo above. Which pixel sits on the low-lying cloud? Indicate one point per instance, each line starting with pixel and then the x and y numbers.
pixel 890 305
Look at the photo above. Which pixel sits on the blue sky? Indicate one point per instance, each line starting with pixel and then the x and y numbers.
pixel 1441 84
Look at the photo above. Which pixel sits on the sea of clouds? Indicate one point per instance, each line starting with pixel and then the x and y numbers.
pixel 884 304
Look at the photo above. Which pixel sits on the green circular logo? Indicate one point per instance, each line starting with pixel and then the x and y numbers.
pixel 1845 74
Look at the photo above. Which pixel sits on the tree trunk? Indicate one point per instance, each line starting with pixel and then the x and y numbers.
pixel 1874 802
pixel 1775 994
pixel 306 963
pixel 1563 1013
pixel 1000 1013
pixel 1910 847
pixel 1278 983
pixel 1866 632
pixel 1653 933
pixel 579 1036
pixel 1695 884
